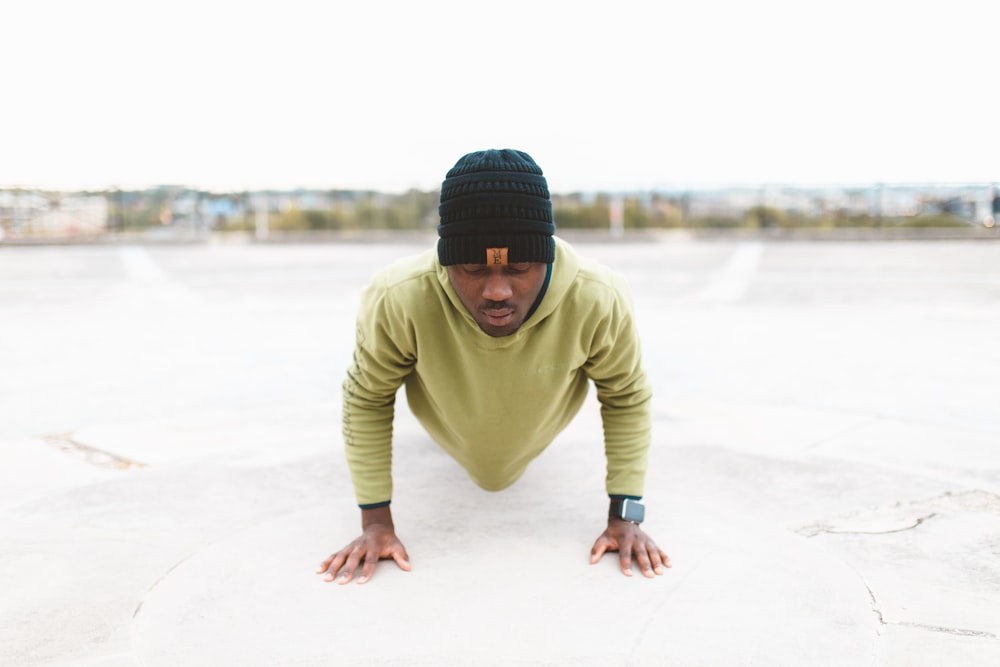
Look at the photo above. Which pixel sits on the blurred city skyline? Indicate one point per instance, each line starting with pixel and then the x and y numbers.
pixel 386 96
pixel 175 212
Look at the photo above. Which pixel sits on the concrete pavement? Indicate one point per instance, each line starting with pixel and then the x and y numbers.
pixel 825 473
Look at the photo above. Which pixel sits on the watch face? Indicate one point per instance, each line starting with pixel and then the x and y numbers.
pixel 634 511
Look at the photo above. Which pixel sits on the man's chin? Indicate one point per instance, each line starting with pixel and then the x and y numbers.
pixel 499 331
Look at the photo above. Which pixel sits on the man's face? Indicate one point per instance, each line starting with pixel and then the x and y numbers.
pixel 498 297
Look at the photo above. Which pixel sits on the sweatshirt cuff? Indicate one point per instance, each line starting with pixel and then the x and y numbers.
pixel 371 506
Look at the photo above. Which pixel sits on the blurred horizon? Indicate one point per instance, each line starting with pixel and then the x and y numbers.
pixel 172 210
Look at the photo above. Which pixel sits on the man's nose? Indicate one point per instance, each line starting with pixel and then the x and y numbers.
pixel 497 287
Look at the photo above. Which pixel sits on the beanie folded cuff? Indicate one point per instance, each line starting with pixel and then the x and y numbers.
pixel 471 249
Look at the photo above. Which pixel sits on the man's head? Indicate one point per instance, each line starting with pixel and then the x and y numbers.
pixel 496 236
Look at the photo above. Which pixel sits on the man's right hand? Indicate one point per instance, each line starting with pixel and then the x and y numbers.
pixel 378 541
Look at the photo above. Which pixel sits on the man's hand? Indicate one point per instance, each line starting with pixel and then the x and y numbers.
pixel 376 542
pixel 629 541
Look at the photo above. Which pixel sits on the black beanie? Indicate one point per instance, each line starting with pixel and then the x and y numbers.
pixel 495 209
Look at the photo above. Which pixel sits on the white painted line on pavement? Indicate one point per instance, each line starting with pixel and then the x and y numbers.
pixel 139 265
pixel 146 277
pixel 735 277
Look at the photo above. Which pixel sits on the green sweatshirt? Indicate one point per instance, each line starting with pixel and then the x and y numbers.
pixel 494 404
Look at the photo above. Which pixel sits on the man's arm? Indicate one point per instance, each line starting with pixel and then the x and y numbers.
pixel 380 364
pixel 377 541
pixel 615 367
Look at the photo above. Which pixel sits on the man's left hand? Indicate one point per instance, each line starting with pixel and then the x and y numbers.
pixel 630 542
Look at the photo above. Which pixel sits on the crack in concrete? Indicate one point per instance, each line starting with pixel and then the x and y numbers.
pixel 92 455
pixel 159 580
pixel 961 632
pixel 880 628
pixel 878 612
pixel 901 516
pixel 820 528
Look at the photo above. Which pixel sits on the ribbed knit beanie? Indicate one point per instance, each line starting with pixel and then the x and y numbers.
pixel 495 209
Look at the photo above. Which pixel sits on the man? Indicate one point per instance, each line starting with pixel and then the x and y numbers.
pixel 496 336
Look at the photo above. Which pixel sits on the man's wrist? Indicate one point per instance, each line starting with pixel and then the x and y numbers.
pixel 380 515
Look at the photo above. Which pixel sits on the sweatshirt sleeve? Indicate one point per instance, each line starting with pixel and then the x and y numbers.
pixel 383 357
pixel 615 367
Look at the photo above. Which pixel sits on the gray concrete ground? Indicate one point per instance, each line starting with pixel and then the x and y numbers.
pixel 825 473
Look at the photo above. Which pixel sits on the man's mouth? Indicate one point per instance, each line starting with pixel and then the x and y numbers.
pixel 498 317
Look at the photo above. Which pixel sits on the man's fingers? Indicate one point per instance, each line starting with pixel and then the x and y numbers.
pixel 600 547
pixel 631 543
pixel 397 553
pixel 351 565
pixel 642 558
pixel 371 560
pixel 333 565
pixel 402 560
pixel 345 576
pixel 625 556
pixel 325 565
pixel 658 560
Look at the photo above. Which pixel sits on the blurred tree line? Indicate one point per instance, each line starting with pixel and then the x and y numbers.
pixel 338 210
pixel 770 217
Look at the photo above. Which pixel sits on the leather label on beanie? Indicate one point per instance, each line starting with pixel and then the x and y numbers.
pixel 496 256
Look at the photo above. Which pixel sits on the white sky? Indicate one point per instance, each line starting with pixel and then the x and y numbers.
pixel 604 95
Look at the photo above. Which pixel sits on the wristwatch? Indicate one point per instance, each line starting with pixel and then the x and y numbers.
pixel 627 509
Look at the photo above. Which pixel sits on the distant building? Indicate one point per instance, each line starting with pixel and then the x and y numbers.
pixel 75 215
pixel 51 215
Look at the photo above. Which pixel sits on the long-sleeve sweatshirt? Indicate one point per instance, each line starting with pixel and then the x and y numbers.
pixel 494 404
